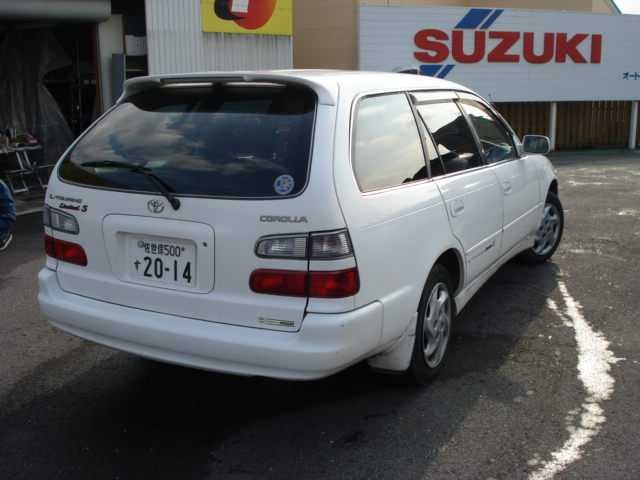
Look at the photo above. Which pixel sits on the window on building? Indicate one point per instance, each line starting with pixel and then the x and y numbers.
pixel 452 135
pixel 495 139
pixel 387 151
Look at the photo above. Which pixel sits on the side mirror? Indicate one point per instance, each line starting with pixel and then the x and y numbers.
pixel 536 144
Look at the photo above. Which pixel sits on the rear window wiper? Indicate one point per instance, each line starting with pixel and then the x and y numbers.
pixel 163 187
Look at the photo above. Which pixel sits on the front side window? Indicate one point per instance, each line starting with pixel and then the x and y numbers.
pixel 453 138
pixel 386 146
pixel 250 141
pixel 494 138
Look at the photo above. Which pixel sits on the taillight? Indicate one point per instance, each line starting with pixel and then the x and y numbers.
pixel 65 251
pixel 296 283
pixel 283 246
pixel 306 246
pixel 291 283
pixel 314 246
pixel 340 284
pixel 330 246
pixel 59 220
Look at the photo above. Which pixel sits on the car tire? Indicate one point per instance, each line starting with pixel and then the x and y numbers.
pixel 548 234
pixel 436 312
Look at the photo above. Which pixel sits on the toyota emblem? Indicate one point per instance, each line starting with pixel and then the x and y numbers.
pixel 155 206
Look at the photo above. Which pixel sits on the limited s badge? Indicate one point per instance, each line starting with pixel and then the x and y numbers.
pixel 155 206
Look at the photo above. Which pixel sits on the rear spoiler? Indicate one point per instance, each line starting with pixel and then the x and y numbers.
pixel 327 94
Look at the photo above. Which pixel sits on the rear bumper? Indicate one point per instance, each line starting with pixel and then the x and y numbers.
pixel 326 343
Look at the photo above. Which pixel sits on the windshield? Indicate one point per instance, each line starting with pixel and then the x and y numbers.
pixel 222 141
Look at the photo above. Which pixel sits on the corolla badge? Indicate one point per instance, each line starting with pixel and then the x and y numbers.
pixel 155 206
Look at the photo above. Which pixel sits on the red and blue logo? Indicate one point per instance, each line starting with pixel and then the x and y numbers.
pixel 437 46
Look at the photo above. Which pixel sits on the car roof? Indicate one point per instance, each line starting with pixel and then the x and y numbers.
pixel 357 82
pixel 326 83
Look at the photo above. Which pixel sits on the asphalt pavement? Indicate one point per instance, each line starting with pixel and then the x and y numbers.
pixel 542 381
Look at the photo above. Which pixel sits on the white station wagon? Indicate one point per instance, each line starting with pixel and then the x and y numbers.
pixel 290 224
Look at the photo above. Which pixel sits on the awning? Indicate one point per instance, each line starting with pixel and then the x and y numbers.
pixel 58 10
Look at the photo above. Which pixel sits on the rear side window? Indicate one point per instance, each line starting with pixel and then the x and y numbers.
pixel 386 148
pixel 496 141
pixel 249 141
pixel 452 136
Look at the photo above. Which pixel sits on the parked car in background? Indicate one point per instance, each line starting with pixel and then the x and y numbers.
pixel 290 224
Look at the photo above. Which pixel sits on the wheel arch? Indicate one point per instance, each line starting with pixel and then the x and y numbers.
pixel 397 357
pixel 547 177
pixel 453 261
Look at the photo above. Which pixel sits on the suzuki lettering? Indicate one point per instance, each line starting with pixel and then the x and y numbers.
pixel 480 44
pixel 507 47
pixel 507 55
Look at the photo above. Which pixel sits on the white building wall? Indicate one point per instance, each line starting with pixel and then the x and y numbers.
pixel 388 40
pixel 177 43
pixel 110 35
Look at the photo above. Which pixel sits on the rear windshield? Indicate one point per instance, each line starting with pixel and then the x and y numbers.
pixel 217 141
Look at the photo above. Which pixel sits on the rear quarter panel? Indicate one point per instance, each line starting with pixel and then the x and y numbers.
pixel 397 234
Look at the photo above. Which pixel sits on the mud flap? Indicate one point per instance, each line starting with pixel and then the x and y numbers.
pixel 398 357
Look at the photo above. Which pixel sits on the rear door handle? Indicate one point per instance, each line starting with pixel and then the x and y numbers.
pixel 507 188
pixel 457 208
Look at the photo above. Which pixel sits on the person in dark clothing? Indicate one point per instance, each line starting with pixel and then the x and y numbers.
pixel 7 215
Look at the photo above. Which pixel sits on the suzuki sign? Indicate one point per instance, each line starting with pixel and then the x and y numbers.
pixel 508 55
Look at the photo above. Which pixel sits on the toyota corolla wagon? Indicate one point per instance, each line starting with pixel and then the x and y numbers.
pixel 289 224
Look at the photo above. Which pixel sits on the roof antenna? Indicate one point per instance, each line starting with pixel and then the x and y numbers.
pixel 412 69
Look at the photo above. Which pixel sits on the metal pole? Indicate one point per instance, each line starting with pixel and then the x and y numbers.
pixel 633 126
pixel 553 124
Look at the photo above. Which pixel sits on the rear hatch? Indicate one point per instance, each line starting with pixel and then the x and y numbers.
pixel 237 157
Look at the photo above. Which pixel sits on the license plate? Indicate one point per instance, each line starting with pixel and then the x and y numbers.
pixel 162 261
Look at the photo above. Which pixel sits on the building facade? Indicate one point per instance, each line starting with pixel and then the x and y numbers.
pixel 177 41
pixel 67 59
pixel 557 68
pixel 97 44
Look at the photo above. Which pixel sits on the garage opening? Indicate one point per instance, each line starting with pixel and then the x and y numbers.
pixel 61 65
pixel 48 76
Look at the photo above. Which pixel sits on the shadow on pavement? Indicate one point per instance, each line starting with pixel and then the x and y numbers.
pixel 131 418
pixel 27 246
